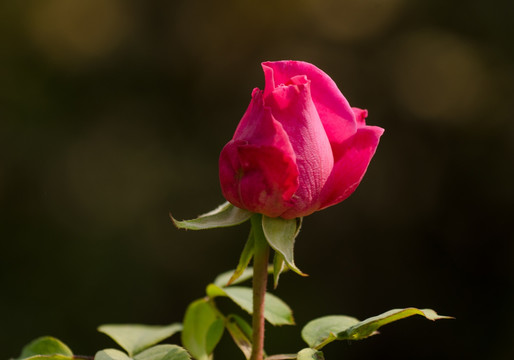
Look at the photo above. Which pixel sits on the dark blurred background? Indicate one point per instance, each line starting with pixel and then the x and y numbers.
pixel 113 112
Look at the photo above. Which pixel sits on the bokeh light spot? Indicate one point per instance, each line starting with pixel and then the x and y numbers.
pixel 351 20
pixel 438 76
pixel 74 31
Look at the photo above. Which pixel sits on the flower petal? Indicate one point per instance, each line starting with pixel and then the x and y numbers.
pixel 333 108
pixel 292 106
pixel 260 179
pixel 257 167
pixel 353 157
pixel 360 116
pixel 269 180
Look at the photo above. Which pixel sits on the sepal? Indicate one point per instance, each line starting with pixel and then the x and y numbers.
pixel 279 266
pixel 223 216
pixel 280 235
pixel 244 259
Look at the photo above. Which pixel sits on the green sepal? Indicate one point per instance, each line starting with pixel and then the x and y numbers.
pixel 135 338
pixel 223 216
pixel 320 332
pixel 281 234
pixel 279 266
pixel 310 354
pixel 201 329
pixel 47 347
pixel 244 259
pixel 241 333
pixel 276 311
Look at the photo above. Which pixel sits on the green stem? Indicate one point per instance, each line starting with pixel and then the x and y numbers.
pixel 260 279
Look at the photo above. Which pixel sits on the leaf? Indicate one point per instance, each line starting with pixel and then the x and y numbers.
pixel 281 357
pixel 324 330
pixel 214 290
pixel 45 345
pixel 321 330
pixel 241 333
pixel 111 354
pixel 163 352
pixel 369 326
pixel 276 311
pixel 201 329
pixel 50 357
pixel 280 234
pixel 222 279
pixel 214 334
pixel 134 338
pixel 223 216
pixel 310 354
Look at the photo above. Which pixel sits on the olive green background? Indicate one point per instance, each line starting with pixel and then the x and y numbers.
pixel 113 113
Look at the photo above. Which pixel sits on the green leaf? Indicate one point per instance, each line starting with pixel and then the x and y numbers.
pixel 280 234
pixel 214 290
pixel 214 335
pixel 45 345
pixel 276 311
pixel 134 338
pixel 310 354
pixel 50 357
pixel 163 352
pixel 369 326
pixel 323 330
pixel 111 354
pixel 223 216
pixel 222 279
pixel 202 329
pixel 241 333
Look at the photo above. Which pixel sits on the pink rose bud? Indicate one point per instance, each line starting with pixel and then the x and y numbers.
pixel 299 147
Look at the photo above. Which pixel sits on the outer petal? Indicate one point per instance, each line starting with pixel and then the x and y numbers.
pixel 293 107
pixel 257 168
pixel 353 157
pixel 360 116
pixel 333 108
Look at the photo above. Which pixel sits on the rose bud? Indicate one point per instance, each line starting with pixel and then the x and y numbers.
pixel 299 147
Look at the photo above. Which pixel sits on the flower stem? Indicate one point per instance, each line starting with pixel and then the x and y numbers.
pixel 260 279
